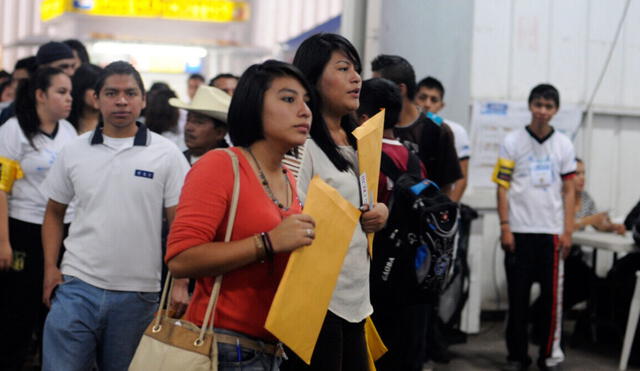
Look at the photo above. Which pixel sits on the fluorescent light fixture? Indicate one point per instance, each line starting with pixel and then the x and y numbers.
pixel 148 50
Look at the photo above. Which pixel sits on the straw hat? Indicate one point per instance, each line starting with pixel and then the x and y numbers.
pixel 208 101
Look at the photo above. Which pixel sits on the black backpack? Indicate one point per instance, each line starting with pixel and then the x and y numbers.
pixel 413 253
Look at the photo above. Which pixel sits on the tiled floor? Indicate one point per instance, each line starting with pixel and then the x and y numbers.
pixel 486 351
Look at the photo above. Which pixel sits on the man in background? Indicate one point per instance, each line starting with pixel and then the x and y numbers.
pixel 225 82
pixel 193 82
pixel 206 123
pixel 430 99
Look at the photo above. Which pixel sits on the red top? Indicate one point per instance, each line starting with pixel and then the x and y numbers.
pixel 201 217
pixel 400 156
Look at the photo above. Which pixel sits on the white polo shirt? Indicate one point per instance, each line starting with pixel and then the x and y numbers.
pixel 461 139
pixel 535 194
pixel 121 186
pixel 27 202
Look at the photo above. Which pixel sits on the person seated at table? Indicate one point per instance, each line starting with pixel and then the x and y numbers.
pixel 586 212
pixel 632 223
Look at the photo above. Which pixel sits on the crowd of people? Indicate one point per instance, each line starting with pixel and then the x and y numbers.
pixel 105 184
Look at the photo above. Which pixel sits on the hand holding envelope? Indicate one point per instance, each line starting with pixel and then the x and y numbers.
pixel 369 136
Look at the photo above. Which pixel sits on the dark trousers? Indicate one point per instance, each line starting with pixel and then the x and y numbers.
pixel 21 308
pixel 341 346
pixel 402 329
pixel 537 258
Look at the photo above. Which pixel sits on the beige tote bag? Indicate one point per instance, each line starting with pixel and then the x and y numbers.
pixel 169 344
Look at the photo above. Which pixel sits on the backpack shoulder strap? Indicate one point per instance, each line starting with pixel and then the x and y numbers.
pixel 389 168
pixel 413 166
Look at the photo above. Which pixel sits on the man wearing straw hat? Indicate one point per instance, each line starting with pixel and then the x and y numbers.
pixel 206 125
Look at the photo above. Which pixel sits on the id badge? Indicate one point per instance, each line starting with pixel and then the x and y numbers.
pixel 541 172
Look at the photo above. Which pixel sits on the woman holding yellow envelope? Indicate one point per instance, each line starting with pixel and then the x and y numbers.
pixel 332 65
pixel 268 116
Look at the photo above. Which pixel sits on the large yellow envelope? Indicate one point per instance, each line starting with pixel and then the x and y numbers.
pixel 375 346
pixel 306 288
pixel 369 136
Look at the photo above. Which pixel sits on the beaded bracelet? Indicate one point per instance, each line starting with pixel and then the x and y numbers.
pixel 268 247
pixel 261 252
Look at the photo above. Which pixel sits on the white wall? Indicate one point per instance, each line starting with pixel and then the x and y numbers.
pixel 518 44
pixel 276 21
pixel 435 37
pixel 19 20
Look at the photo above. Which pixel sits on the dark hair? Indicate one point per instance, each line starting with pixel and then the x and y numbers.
pixel 159 116
pixel 222 76
pixel 26 100
pixel 311 58
pixel 158 85
pixel 83 79
pixel 119 68
pixel 431 83
pixel 28 63
pixel 545 91
pixel 578 159
pixel 5 85
pixel 396 69
pixel 196 76
pixel 79 48
pixel 4 74
pixel 245 112
pixel 380 93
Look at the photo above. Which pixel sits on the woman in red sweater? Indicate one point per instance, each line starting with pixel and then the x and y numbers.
pixel 268 116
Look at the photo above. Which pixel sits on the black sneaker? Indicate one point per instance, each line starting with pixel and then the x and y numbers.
pixel 544 367
pixel 515 366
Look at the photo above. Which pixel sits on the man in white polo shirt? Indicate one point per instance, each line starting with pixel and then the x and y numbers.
pixel 534 174
pixel 121 176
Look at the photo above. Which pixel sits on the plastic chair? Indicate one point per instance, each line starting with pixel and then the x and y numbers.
pixel 632 325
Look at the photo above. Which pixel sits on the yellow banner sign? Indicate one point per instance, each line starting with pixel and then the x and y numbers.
pixel 50 9
pixel 191 10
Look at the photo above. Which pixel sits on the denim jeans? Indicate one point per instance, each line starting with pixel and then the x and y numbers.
pixel 89 326
pixel 234 358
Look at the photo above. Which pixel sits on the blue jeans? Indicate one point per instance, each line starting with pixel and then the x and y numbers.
pixel 88 325
pixel 233 358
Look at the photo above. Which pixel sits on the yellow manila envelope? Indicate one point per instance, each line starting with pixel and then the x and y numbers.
pixel 306 288
pixel 375 346
pixel 369 136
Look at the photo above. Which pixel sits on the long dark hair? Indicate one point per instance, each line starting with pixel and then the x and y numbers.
pixel 26 100
pixel 159 116
pixel 79 48
pixel 83 79
pixel 311 58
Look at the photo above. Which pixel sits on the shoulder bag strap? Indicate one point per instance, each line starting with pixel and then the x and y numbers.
pixel 215 292
pixel 168 285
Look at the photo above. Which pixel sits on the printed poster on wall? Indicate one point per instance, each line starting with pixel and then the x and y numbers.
pixel 490 123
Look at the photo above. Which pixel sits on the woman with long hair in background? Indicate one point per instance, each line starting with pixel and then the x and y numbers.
pixel 29 144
